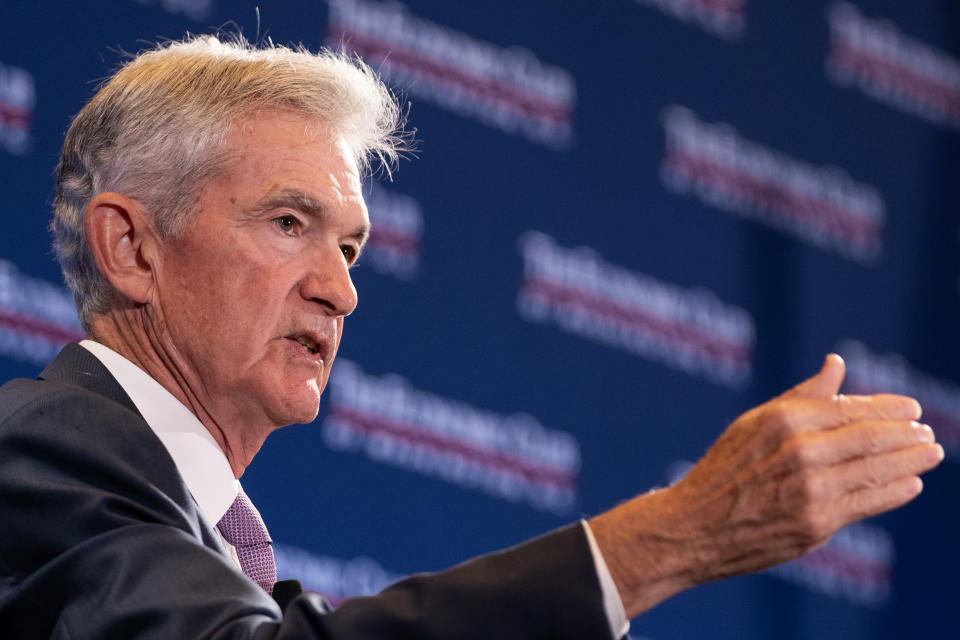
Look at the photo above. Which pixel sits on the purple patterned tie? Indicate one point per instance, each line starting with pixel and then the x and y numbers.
pixel 243 527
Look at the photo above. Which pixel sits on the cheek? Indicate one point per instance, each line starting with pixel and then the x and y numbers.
pixel 214 307
pixel 242 288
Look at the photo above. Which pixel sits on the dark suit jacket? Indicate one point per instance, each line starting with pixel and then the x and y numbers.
pixel 100 539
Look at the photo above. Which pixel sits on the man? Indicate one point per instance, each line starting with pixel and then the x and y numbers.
pixel 208 211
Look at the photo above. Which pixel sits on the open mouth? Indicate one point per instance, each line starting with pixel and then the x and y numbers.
pixel 309 344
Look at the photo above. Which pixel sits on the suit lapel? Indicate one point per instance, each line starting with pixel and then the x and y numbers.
pixel 76 365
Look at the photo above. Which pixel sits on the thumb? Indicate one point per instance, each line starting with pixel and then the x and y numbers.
pixel 824 383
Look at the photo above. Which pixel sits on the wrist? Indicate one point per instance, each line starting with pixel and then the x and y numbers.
pixel 650 550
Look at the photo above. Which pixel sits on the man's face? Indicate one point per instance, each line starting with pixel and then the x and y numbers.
pixel 250 299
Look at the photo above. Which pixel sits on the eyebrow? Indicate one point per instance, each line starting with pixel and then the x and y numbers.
pixel 304 202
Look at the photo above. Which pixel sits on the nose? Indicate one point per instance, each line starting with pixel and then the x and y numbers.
pixel 328 283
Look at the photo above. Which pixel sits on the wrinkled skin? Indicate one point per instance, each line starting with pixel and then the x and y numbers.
pixel 219 314
pixel 782 479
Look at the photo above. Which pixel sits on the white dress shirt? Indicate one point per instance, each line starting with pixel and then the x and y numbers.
pixel 207 474
pixel 199 459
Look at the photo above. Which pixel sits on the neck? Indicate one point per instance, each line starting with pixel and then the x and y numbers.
pixel 137 339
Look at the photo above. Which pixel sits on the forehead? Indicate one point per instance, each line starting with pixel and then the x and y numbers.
pixel 273 150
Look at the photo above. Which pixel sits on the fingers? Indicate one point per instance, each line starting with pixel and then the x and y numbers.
pixel 864 456
pixel 801 415
pixel 869 438
pixel 824 383
pixel 873 501
pixel 826 409
pixel 883 406
pixel 873 472
pixel 826 499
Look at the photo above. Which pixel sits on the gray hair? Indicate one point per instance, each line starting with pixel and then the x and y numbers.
pixel 154 132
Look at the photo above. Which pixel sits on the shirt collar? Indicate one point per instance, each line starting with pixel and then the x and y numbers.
pixel 199 459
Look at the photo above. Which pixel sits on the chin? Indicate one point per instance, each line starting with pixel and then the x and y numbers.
pixel 287 415
pixel 300 407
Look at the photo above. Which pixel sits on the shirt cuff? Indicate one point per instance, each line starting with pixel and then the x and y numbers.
pixel 612 604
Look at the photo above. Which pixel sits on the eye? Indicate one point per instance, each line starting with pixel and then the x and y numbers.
pixel 287 223
pixel 350 253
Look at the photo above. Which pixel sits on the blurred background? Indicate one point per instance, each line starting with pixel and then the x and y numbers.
pixel 627 222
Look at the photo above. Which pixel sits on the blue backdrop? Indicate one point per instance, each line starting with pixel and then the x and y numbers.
pixel 629 221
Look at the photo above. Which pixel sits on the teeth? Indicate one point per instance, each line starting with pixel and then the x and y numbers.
pixel 308 343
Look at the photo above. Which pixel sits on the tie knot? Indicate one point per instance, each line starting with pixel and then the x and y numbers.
pixel 242 525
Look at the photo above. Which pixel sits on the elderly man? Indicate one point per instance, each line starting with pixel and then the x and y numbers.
pixel 208 211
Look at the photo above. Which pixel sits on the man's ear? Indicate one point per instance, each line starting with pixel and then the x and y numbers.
pixel 122 241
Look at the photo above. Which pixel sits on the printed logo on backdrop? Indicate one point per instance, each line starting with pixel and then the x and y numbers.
pixel 512 457
pixel 193 9
pixel 724 18
pixel 856 564
pixel 396 233
pixel 688 329
pixel 335 578
pixel 36 317
pixel 875 56
pixel 868 372
pixel 18 97
pixel 821 205
pixel 507 88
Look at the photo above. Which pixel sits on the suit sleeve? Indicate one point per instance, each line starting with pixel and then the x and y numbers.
pixel 93 545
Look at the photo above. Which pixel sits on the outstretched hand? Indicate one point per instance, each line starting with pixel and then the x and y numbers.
pixel 782 479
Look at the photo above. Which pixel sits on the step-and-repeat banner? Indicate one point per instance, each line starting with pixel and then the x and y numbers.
pixel 628 221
